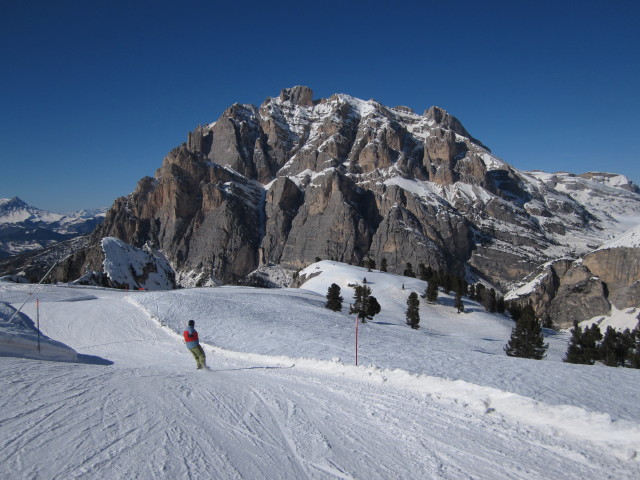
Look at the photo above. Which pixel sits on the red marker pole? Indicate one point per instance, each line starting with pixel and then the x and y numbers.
pixel 357 321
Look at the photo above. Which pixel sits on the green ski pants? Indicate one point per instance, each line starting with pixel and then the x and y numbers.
pixel 198 354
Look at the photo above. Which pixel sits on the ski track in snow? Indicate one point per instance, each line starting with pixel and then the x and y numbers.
pixel 150 414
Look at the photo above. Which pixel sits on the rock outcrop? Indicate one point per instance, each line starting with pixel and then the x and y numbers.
pixel 619 270
pixel 567 290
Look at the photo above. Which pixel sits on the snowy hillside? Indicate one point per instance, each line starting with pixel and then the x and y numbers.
pixel 611 199
pixel 629 239
pixel 284 399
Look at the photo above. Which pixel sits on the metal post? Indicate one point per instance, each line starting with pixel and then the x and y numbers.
pixel 35 288
pixel 357 321
pixel 38 320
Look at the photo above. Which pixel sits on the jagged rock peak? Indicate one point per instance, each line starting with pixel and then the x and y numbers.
pixel 298 95
pixel 444 118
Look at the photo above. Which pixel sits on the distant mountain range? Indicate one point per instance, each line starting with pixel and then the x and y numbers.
pixel 298 179
pixel 24 228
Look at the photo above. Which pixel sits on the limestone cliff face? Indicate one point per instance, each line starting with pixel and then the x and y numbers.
pixel 619 270
pixel 207 219
pixel 575 290
pixel 341 178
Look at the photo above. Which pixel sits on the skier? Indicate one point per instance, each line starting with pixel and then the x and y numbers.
pixel 191 339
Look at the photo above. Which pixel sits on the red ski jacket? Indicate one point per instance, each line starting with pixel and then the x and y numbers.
pixel 191 337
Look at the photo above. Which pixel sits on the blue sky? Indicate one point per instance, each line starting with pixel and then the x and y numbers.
pixel 94 94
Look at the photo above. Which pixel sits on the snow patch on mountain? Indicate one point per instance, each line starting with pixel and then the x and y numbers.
pixel 136 268
pixel 618 319
pixel 529 286
pixel 629 239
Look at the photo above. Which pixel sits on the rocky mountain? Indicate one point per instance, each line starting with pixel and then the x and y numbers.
pixel 24 228
pixel 297 178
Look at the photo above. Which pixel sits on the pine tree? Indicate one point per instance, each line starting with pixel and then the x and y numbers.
pixel 383 265
pixel 627 345
pixel 575 349
pixel 500 305
pixel 490 301
pixel 612 348
pixel 373 307
pixel 408 271
pixel 634 352
pixel 413 310
pixel 515 311
pixel 526 339
pixel 480 293
pixel 365 306
pixel 422 272
pixel 472 292
pixel 590 339
pixel 371 264
pixel 431 293
pixel 615 347
pixel 360 297
pixel 334 300
pixel 446 283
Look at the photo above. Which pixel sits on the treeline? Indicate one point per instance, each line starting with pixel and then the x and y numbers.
pixel 438 280
pixel 614 349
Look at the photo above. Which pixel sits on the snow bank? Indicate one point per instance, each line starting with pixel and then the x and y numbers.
pixel 620 438
pixel 19 338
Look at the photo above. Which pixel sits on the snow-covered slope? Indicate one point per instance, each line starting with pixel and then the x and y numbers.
pixel 629 239
pixel 20 338
pixel 284 399
pixel 611 199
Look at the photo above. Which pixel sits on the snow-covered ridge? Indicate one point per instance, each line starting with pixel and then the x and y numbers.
pixel 24 228
pixel 14 210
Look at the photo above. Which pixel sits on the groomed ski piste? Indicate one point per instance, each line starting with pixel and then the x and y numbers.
pixel 114 393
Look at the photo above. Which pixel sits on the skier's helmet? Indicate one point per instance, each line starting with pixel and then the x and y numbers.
pixel 191 323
